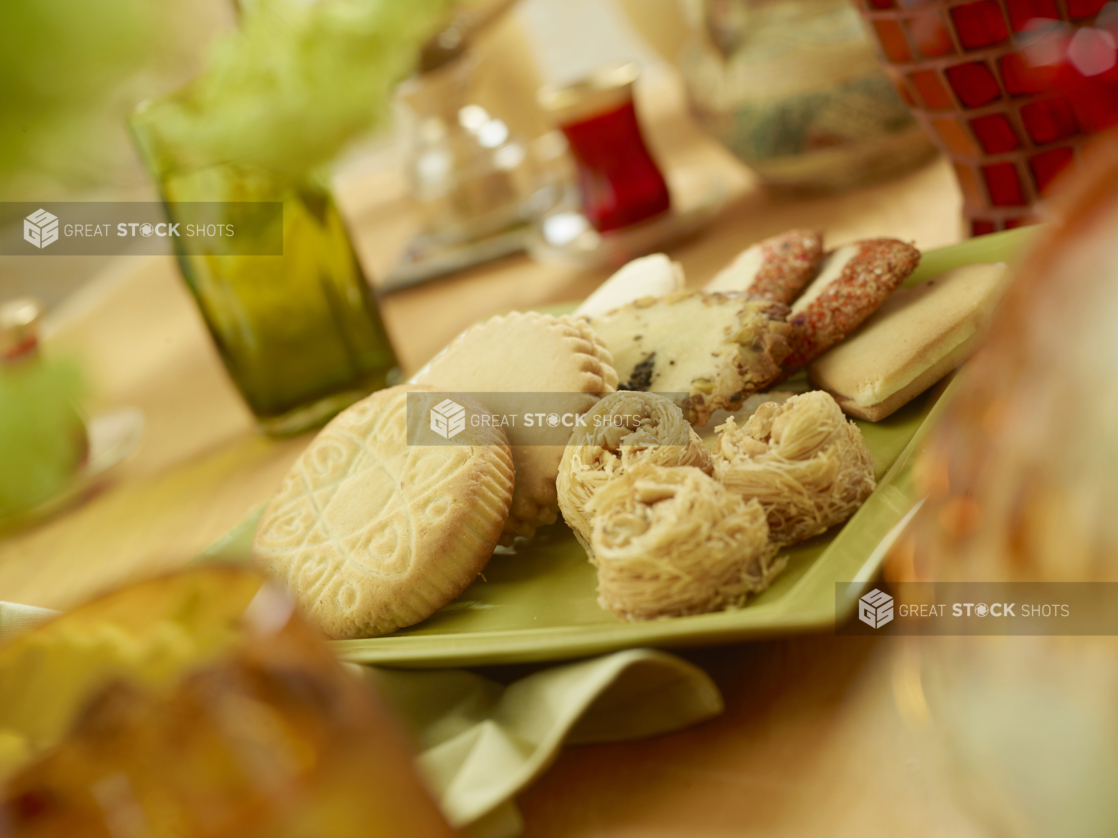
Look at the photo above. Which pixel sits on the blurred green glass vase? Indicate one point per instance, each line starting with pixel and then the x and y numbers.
pixel 300 333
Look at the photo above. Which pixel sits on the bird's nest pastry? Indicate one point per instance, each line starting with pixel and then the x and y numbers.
pixel 621 430
pixel 805 463
pixel 670 542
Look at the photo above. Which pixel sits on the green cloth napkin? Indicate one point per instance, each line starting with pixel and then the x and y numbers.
pixel 480 742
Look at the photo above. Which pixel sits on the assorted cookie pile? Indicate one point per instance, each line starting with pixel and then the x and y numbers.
pixel 374 532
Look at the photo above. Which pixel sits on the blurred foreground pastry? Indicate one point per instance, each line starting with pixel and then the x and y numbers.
pixel 197 705
pixel 623 429
pixel 525 353
pixel 853 281
pixel 803 460
pixel 776 269
pixel 710 351
pixel 648 276
pixel 372 534
pixel 918 336
pixel 672 541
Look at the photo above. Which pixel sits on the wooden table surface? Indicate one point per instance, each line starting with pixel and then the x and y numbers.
pixel 822 734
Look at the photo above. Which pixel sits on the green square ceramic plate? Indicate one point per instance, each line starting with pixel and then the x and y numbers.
pixel 540 604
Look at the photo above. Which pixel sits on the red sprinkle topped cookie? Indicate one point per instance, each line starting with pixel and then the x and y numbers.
pixel 853 282
pixel 775 269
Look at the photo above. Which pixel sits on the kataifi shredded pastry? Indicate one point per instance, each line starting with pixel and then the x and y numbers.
pixel 623 429
pixel 669 542
pixel 805 463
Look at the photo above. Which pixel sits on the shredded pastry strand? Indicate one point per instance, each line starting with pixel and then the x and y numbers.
pixel 621 430
pixel 805 463
pixel 671 541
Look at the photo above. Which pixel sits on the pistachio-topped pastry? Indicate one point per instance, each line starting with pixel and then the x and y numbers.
pixel 802 460
pixel 623 429
pixel 713 350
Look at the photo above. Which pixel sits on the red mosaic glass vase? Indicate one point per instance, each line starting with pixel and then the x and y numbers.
pixel 1010 90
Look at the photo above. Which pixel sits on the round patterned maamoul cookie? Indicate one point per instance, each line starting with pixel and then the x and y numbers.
pixel 669 542
pixel 623 429
pixel 372 534
pixel 528 352
pixel 805 463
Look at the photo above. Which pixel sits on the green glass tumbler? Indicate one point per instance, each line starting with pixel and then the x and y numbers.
pixel 300 333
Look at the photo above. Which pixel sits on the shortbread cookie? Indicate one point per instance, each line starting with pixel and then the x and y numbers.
pixel 853 281
pixel 912 341
pixel 803 460
pixel 648 276
pixel 775 269
pixel 372 534
pixel 712 349
pixel 621 430
pixel 672 541
pixel 527 352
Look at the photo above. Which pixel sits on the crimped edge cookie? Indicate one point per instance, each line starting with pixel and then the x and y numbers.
pixel 448 554
pixel 587 369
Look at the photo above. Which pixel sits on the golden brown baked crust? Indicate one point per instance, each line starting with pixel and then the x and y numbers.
pixel 371 533
pixel 918 336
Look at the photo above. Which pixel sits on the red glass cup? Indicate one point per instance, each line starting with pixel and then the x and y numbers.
pixel 621 184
